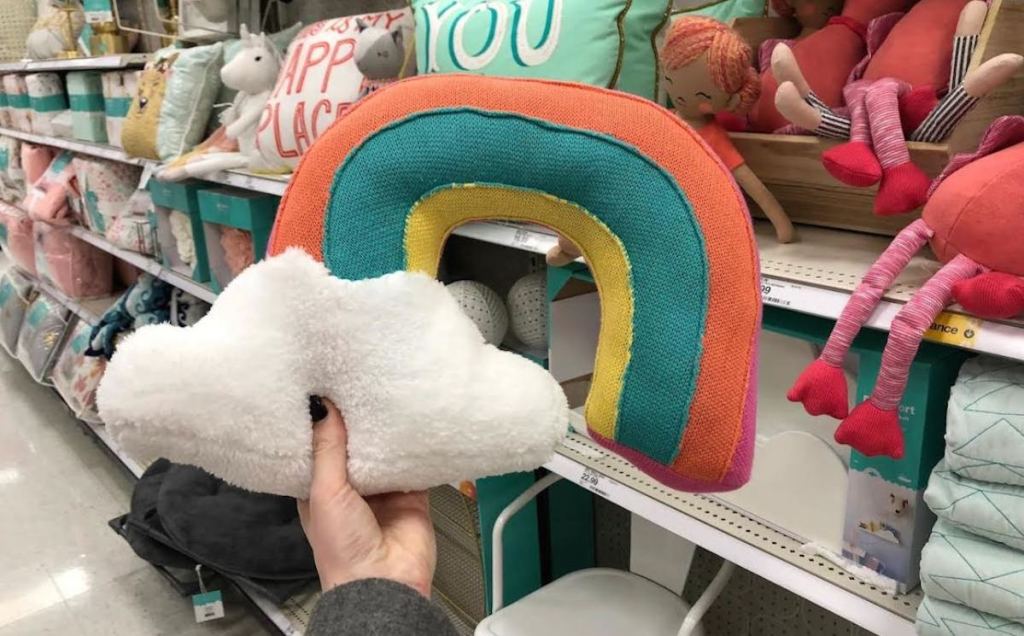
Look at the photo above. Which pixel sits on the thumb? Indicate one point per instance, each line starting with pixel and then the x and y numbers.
pixel 330 450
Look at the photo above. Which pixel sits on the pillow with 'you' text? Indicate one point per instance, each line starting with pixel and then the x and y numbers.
pixel 608 43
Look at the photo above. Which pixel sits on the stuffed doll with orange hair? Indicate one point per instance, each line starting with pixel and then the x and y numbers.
pixel 706 68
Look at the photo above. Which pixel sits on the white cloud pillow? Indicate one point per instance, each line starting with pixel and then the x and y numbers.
pixel 425 400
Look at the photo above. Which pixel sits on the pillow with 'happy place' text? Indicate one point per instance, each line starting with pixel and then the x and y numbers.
pixel 607 43
pixel 317 82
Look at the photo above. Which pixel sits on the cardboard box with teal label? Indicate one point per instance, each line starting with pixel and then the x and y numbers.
pixel 887 523
pixel 85 94
pixel 251 213
pixel 180 238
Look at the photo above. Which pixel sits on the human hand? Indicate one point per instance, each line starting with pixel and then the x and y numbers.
pixel 384 536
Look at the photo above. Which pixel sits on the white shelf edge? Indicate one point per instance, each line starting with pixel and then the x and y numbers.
pixel 147 264
pixel 833 598
pixel 102 151
pixel 100 63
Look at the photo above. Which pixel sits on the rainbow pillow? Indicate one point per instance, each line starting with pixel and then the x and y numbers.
pixel 657 216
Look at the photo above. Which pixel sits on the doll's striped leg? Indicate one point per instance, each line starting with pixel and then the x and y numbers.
pixel 800 112
pixel 873 428
pixel 977 84
pixel 963 49
pixel 822 386
pixel 939 124
pixel 965 40
pixel 904 186
pixel 854 163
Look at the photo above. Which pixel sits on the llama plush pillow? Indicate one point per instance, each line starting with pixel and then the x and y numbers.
pixel 318 82
pixel 607 43
pixel 175 98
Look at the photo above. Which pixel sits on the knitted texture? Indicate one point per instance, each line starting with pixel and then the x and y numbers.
pixel 728 56
pixel 703 303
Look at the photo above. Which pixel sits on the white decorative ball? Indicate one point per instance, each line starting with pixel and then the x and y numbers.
pixel 484 307
pixel 528 310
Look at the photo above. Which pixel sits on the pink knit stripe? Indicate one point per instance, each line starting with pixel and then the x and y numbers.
pixel 909 326
pixel 854 94
pixel 883 106
pixel 869 292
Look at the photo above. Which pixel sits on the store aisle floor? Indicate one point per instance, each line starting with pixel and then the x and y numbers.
pixel 62 569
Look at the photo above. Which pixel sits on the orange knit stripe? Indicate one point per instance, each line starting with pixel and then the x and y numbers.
pixel 714 426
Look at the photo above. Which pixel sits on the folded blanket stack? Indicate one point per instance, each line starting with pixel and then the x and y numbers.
pixel 972 569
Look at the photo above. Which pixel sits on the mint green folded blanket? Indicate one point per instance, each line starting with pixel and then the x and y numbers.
pixel 942 618
pixel 994 511
pixel 985 422
pixel 961 567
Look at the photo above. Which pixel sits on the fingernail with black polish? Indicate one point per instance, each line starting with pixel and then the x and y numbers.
pixel 317 410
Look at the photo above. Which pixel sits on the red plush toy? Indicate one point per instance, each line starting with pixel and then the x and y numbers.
pixel 973 221
pixel 827 55
pixel 894 95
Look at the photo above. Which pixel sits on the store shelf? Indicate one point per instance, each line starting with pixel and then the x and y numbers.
pixel 106 62
pixel 147 264
pixel 814 275
pixel 746 542
pixel 817 275
pixel 85 147
pixel 270 184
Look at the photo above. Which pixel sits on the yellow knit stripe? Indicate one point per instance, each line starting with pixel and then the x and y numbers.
pixel 433 218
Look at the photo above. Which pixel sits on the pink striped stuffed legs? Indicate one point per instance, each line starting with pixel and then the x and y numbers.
pixel 873 426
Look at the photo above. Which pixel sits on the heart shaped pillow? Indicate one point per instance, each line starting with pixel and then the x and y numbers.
pixel 425 400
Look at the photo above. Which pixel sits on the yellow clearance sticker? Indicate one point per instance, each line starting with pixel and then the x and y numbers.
pixel 954 329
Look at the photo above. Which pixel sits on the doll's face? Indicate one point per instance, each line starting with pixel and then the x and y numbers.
pixel 693 92
pixel 814 14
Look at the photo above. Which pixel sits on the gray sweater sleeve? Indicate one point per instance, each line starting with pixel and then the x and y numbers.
pixel 377 607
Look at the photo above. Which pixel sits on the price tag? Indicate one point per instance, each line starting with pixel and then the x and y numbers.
pixel 94 17
pixel 596 483
pixel 778 293
pixel 955 329
pixel 147 174
pixel 208 605
pixel 526 240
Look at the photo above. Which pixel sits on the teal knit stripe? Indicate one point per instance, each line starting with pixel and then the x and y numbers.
pixel 49 103
pixel 86 102
pixel 17 100
pixel 117 106
pixel 641 204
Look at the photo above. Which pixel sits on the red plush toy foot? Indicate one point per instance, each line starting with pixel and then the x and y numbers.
pixel 915 106
pixel 872 431
pixel 904 188
pixel 853 163
pixel 991 295
pixel 822 390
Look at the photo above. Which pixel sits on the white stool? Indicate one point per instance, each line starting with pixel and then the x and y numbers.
pixel 601 601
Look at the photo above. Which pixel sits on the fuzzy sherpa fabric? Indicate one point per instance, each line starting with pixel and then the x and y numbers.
pixel 425 400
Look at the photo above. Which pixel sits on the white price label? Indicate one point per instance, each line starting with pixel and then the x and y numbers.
pixel 596 483
pixel 94 17
pixel 526 240
pixel 208 606
pixel 779 294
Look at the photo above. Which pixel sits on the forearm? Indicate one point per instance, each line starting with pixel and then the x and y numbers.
pixel 762 196
pixel 377 607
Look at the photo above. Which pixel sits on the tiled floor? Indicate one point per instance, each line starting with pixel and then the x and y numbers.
pixel 62 570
